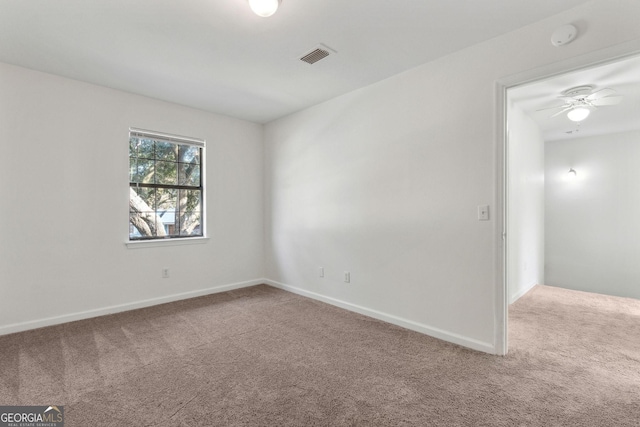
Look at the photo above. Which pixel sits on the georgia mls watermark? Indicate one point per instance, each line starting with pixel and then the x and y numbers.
pixel 31 416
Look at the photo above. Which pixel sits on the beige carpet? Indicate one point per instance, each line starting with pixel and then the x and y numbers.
pixel 264 357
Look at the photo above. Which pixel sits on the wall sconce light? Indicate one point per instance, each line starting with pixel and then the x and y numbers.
pixel 572 173
pixel 578 114
pixel 264 8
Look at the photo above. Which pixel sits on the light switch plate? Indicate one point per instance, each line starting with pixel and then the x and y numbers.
pixel 483 213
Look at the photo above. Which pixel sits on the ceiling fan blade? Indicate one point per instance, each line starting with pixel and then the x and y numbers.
pixel 601 94
pixel 607 100
pixel 555 107
pixel 561 111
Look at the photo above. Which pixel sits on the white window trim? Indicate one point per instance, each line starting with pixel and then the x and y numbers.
pixel 174 241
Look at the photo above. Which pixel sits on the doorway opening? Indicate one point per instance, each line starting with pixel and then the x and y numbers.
pixel 550 203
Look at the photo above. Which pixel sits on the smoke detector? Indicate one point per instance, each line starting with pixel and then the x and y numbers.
pixel 564 35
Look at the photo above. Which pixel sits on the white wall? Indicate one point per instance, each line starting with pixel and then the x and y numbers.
pixel 525 218
pixel 385 181
pixel 592 221
pixel 64 202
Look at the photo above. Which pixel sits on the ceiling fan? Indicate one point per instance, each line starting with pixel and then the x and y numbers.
pixel 580 100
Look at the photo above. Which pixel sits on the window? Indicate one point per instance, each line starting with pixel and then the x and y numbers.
pixel 166 190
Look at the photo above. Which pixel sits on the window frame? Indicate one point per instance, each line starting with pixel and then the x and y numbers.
pixel 178 141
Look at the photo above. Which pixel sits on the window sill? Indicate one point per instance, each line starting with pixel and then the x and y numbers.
pixel 138 244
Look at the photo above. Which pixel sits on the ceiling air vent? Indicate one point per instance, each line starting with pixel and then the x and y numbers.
pixel 318 53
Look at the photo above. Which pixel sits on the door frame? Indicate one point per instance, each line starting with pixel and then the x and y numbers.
pixel 592 59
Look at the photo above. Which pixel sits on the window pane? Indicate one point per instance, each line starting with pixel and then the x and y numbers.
pixel 190 224
pixel 168 221
pixel 141 170
pixel 142 224
pixel 166 202
pixel 146 148
pixel 133 170
pixel 133 231
pixel 142 199
pixel 189 174
pixel 166 199
pixel 171 230
pixel 189 154
pixel 133 147
pixel 190 200
pixel 166 173
pixel 190 212
pixel 166 151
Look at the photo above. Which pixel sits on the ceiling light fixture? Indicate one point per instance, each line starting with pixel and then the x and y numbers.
pixel 572 173
pixel 578 114
pixel 264 8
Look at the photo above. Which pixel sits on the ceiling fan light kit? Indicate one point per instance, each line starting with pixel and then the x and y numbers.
pixel 264 8
pixel 578 114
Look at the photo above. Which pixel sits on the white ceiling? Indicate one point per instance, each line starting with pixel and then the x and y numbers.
pixel 218 56
pixel 623 76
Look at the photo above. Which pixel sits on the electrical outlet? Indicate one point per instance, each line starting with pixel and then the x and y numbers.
pixel 347 277
pixel 165 273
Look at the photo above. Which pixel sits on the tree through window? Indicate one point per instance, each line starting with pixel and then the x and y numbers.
pixel 165 186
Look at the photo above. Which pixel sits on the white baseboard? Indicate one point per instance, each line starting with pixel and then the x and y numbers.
pixel 520 293
pixel 50 321
pixel 408 324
